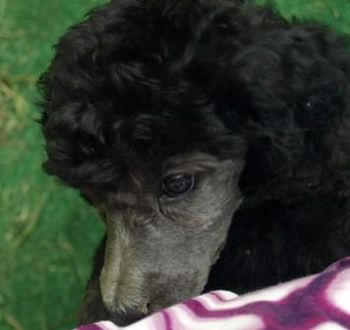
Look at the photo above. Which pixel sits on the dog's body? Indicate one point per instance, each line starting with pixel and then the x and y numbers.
pixel 165 113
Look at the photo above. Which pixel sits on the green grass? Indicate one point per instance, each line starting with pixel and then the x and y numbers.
pixel 47 234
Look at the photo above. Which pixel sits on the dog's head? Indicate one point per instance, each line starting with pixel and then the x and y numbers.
pixel 162 112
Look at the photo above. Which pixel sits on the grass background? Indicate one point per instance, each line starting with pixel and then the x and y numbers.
pixel 47 234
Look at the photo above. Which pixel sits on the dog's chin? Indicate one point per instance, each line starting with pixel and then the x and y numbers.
pixel 125 319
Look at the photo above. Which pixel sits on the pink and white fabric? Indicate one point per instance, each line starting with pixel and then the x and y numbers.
pixel 317 302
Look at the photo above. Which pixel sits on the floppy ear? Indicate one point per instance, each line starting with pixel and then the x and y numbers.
pixel 292 96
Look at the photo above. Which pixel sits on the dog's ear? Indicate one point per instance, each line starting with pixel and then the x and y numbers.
pixel 291 92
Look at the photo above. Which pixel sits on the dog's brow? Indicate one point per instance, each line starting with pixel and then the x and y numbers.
pixel 195 162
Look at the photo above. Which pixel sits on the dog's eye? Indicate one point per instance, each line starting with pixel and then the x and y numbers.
pixel 177 184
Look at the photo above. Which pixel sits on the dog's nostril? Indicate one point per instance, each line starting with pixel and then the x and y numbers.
pixel 153 308
pixel 145 309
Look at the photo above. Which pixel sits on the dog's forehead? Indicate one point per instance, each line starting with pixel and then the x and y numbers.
pixel 160 135
pixel 153 144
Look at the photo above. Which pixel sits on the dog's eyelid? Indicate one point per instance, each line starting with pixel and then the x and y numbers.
pixel 174 172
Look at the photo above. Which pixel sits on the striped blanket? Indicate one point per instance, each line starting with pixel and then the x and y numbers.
pixel 318 302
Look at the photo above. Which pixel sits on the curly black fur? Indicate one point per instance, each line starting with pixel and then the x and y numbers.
pixel 147 77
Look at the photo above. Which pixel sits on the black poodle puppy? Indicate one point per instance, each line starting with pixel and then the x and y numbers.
pixel 191 124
